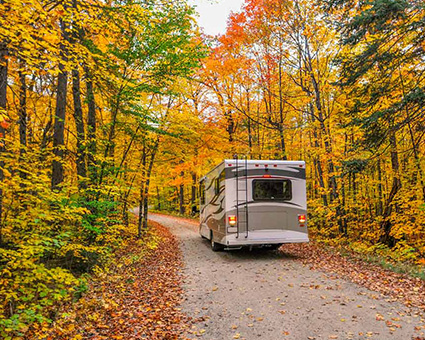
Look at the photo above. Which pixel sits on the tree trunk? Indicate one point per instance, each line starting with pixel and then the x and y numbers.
pixel 22 108
pixel 158 198
pixel 147 185
pixel 59 125
pixel 3 104
pixel 318 166
pixel 379 208
pixel 181 196
pixel 91 126
pixel 79 126
pixel 193 194
pixel 396 186
pixel 248 111
pixel 142 193
pixel 419 171
pixel 144 188
pixel 22 113
pixel 281 115
pixel 230 125
pixel 110 145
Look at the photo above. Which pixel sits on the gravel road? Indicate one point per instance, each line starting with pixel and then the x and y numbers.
pixel 267 294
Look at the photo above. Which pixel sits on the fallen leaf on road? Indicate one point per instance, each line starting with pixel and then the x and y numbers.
pixel 379 317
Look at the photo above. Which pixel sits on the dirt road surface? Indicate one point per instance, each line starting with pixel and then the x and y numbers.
pixel 269 295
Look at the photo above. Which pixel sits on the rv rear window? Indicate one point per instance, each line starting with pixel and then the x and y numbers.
pixel 271 190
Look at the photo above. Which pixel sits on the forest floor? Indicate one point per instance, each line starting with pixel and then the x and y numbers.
pixel 138 297
pixel 172 286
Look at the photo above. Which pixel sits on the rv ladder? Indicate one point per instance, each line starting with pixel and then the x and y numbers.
pixel 241 191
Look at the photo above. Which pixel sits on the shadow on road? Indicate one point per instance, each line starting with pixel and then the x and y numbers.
pixel 246 254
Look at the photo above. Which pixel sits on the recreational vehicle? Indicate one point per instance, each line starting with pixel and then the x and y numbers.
pixel 254 203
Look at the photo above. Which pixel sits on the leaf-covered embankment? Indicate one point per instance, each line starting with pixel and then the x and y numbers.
pixel 398 287
pixel 137 298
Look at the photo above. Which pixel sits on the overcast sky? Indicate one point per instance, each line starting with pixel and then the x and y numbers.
pixel 213 14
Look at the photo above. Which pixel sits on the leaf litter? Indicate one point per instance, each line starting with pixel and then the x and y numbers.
pixel 136 299
pixel 396 286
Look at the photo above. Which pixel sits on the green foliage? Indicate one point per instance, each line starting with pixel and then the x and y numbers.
pixel 48 240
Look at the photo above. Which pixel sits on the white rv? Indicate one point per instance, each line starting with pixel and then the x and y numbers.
pixel 254 203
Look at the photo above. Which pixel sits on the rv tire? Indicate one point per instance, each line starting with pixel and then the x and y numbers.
pixel 214 245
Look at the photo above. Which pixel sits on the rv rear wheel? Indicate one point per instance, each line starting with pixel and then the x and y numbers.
pixel 214 245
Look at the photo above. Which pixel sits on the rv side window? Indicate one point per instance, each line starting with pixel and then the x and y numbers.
pixel 219 182
pixel 271 190
pixel 202 192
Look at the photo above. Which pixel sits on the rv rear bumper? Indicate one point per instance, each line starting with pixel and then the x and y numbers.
pixel 258 237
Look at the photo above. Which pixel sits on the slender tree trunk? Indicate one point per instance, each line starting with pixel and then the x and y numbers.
pixel 318 166
pixel 281 115
pixel 343 203
pixel 91 126
pixel 230 125
pixel 282 142
pixel 22 108
pixel 142 192
pixel 396 186
pixel 379 209
pixel 181 196
pixel 193 194
pixel 158 198
pixel 22 112
pixel 59 125
pixel 3 106
pixel 248 111
pixel 110 145
pixel 324 131
pixel 147 186
pixel 144 188
pixel 79 126
pixel 420 174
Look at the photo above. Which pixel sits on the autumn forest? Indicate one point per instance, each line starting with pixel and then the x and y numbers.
pixel 110 105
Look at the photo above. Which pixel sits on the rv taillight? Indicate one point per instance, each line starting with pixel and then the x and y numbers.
pixel 302 219
pixel 232 220
pixel 267 176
